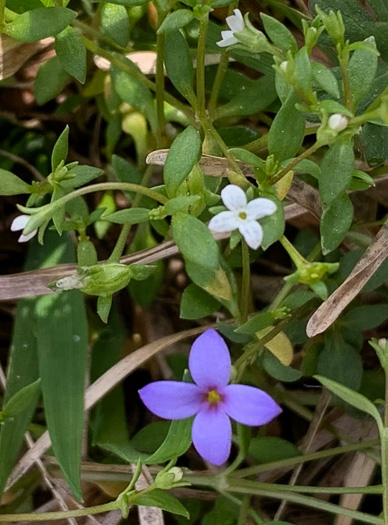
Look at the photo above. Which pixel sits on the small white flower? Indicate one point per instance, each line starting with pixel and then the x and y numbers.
pixel 242 215
pixel 338 122
pixel 19 223
pixel 236 24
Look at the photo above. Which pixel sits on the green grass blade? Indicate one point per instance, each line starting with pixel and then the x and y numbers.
pixel 61 330
pixel 23 358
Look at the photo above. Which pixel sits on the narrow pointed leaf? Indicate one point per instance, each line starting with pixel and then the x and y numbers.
pixel 61 332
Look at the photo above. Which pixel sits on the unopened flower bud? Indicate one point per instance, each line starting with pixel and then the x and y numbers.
pixel 166 480
pixel 283 66
pixel 338 122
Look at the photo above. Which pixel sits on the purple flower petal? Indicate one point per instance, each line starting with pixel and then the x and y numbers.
pixel 249 405
pixel 212 435
pixel 209 361
pixel 172 399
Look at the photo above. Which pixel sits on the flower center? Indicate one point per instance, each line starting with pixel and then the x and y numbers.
pixel 213 397
pixel 242 215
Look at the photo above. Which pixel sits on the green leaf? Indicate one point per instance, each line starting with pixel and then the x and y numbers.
pixel 176 20
pixel 184 153
pixel 62 340
pixel 247 156
pixel 273 225
pixel 50 80
pixel 59 153
pixel 279 34
pixel 336 171
pixel 335 222
pixel 23 363
pixel 365 317
pixel 374 140
pixel 325 79
pixel 10 184
pixel 39 23
pixel 303 72
pixel 115 23
pixel 362 71
pixel 353 398
pixel 129 216
pixel 22 371
pixel 339 361
pixel 178 204
pixel 195 241
pixel 79 176
pixel 286 134
pixel 134 92
pixel 253 99
pixel 276 369
pixel 20 6
pixel 179 64
pixel 256 323
pixel 196 303
pixel 24 399
pixel 176 443
pixel 71 52
pixel 163 500
pixel 267 449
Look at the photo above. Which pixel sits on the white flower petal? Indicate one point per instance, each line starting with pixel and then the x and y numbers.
pixel 226 221
pixel 252 233
pixel 261 207
pixel 25 238
pixel 20 222
pixel 234 198
pixel 236 21
pixel 227 39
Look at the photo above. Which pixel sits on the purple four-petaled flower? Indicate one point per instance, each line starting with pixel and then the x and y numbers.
pixel 210 399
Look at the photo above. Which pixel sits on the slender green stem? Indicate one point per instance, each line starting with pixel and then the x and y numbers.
pixel 298 460
pixel 343 58
pixel 48 516
pixel 159 80
pixel 251 487
pixel 201 50
pixel 210 129
pixel 295 256
pixel 221 70
pixel 122 239
pixel 286 289
pixel 123 186
pixel 243 514
pixel 120 244
pixel 134 72
pixel 295 161
pixel 246 281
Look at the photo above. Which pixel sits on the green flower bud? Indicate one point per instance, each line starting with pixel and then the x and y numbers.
pixel 334 25
pixel 168 479
pixel 99 279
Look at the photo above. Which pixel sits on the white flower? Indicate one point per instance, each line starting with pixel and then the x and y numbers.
pixel 242 215
pixel 236 24
pixel 338 122
pixel 19 223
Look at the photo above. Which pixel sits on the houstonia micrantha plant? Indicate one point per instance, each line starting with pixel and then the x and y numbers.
pixel 210 399
pixel 209 187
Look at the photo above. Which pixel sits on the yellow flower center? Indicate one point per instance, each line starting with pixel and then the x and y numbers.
pixel 213 397
pixel 242 215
